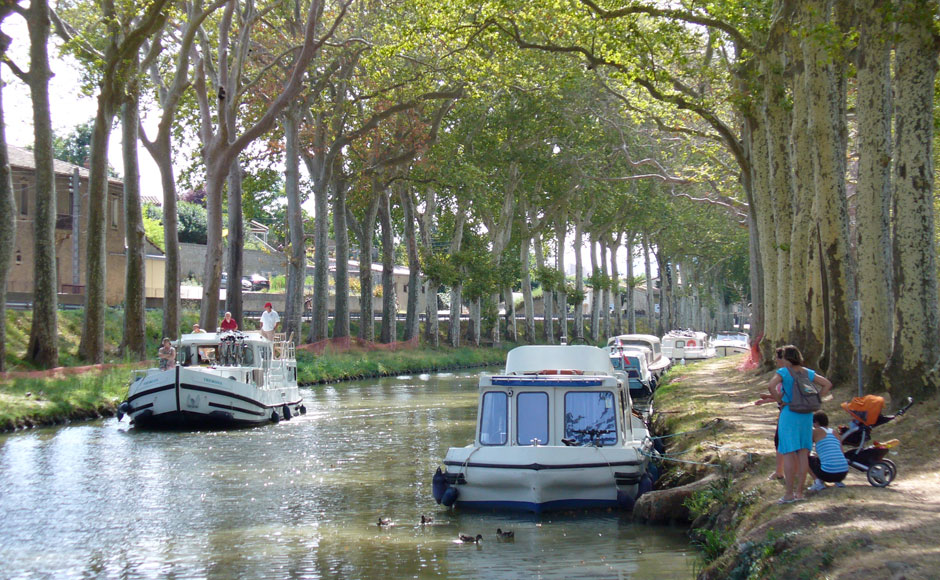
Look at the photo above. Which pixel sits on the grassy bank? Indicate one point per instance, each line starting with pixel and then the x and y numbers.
pixel 340 366
pixel 856 532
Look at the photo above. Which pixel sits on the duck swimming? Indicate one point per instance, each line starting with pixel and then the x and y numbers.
pixel 470 539
pixel 384 522
pixel 507 535
pixel 426 520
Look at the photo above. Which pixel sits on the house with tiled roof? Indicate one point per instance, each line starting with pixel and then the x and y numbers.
pixel 71 182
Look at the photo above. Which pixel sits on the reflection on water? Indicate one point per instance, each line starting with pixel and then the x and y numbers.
pixel 299 499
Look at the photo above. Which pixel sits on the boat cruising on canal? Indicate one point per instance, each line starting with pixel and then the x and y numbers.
pixel 731 342
pixel 683 345
pixel 556 430
pixel 656 361
pixel 220 379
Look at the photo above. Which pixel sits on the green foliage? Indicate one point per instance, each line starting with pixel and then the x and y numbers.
pixel 713 543
pixel 153 226
pixel 192 223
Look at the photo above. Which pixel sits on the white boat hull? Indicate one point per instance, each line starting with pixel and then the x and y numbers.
pixel 538 479
pixel 183 397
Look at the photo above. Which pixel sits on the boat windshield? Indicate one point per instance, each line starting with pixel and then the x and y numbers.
pixel 493 418
pixel 590 417
pixel 532 418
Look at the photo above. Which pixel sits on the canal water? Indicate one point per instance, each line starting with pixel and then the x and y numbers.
pixel 300 499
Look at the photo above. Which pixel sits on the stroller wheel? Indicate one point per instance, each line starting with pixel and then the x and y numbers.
pixel 881 474
pixel 892 466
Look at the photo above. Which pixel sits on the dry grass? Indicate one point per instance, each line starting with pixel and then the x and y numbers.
pixel 856 532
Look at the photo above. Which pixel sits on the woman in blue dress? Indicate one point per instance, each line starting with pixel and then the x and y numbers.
pixel 795 430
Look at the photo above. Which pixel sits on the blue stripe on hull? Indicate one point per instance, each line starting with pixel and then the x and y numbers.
pixel 531 507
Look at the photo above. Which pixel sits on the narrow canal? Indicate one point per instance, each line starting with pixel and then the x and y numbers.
pixel 299 499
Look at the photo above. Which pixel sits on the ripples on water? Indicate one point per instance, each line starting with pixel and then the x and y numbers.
pixel 299 499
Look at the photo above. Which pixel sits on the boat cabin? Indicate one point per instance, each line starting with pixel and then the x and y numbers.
pixel 687 344
pixel 579 401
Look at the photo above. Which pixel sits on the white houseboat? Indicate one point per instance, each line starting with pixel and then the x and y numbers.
pixel 731 342
pixel 225 379
pixel 687 345
pixel 657 361
pixel 555 431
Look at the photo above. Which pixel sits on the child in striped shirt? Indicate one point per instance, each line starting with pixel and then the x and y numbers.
pixel 829 464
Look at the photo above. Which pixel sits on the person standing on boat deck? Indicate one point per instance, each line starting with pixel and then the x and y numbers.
pixel 795 429
pixel 166 355
pixel 269 321
pixel 228 323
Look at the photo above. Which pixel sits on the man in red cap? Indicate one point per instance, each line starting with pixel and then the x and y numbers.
pixel 269 321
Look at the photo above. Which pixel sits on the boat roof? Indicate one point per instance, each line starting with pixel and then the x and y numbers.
pixel 685 334
pixel 644 337
pixel 214 338
pixel 535 358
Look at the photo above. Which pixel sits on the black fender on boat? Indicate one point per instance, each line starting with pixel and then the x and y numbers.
pixel 286 412
pixel 123 409
pixel 450 496
pixel 438 485
pixel 275 418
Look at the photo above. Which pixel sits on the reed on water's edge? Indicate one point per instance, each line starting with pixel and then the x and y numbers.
pixel 28 401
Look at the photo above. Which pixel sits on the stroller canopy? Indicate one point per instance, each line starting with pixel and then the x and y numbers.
pixel 865 410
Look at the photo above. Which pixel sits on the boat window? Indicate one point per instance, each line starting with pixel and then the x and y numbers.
pixel 633 371
pixel 617 362
pixel 494 418
pixel 532 418
pixel 590 417
pixel 248 355
pixel 680 344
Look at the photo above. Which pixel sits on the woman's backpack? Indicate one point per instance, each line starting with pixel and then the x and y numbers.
pixel 805 397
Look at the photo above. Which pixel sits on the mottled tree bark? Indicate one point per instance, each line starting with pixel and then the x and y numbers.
pixel 43 349
pixel 874 190
pixel 529 304
pixel 388 331
pixel 296 251
pixel 7 221
pixel 825 130
pixel 414 267
pixel 134 343
pixel 912 369
pixel 806 327
pixel 341 233
pixel 561 231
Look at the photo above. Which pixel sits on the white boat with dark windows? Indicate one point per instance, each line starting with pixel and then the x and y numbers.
pixel 731 342
pixel 555 431
pixel 657 362
pixel 226 379
pixel 684 345
pixel 633 360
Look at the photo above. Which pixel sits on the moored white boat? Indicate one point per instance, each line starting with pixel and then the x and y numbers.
pixel 680 345
pixel 556 430
pixel 731 342
pixel 226 380
pixel 657 362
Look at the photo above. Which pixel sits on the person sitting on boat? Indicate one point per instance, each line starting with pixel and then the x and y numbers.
pixel 196 329
pixel 166 355
pixel 228 323
pixel 269 321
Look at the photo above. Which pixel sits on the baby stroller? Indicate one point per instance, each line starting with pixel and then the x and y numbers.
pixel 870 458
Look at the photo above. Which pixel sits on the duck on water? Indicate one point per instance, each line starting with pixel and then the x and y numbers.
pixel 555 431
